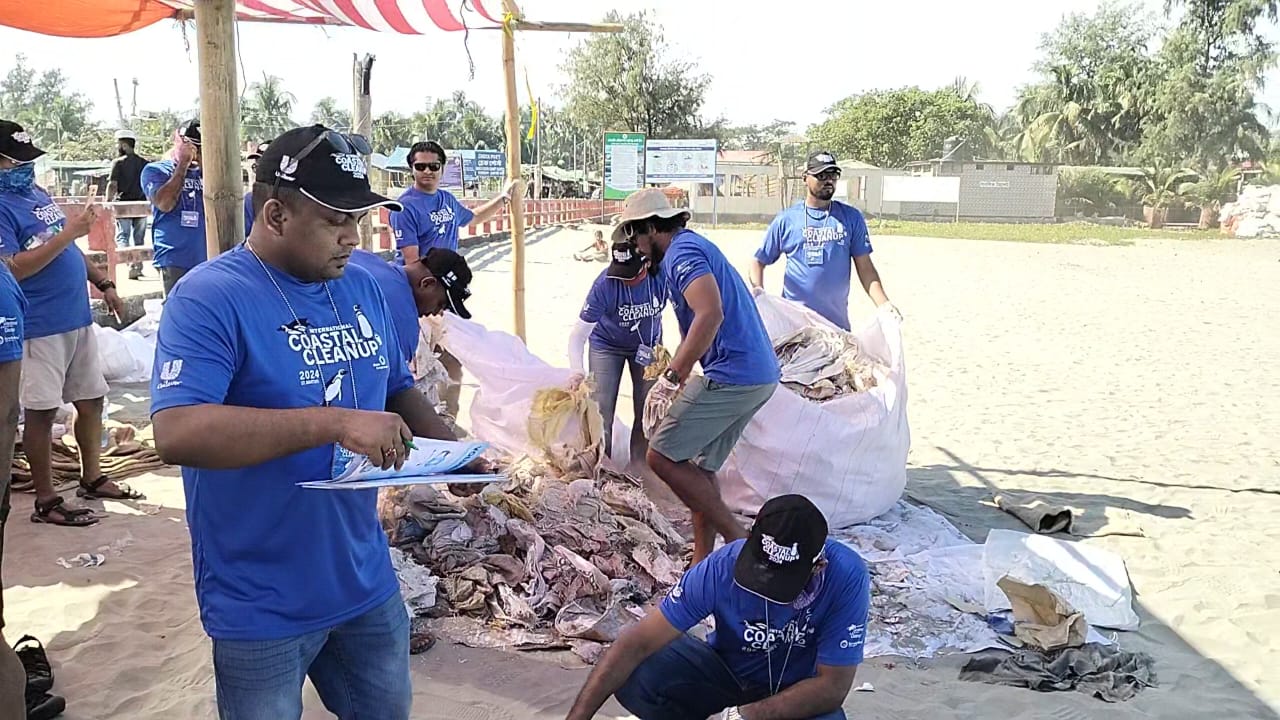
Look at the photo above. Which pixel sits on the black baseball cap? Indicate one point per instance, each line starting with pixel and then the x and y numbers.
pixel 627 262
pixel 191 132
pixel 820 162
pixel 258 151
pixel 16 144
pixel 785 543
pixel 325 166
pixel 452 271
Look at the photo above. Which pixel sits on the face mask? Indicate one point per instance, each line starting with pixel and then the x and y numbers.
pixel 18 179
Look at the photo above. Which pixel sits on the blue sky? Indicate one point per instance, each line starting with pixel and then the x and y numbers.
pixel 788 64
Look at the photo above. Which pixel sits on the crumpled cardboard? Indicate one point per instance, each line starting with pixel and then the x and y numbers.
pixel 1041 619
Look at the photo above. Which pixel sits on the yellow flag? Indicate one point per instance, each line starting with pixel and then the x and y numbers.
pixel 533 105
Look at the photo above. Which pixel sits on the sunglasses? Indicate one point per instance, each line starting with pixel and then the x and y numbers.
pixel 339 142
pixel 828 175
pixel 423 167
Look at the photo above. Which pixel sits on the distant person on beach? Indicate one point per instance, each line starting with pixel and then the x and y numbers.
pixel 622 321
pixel 248 197
pixel 822 238
pixel 125 185
pixel 790 608
pixel 693 421
pixel 60 352
pixel 597 251
pixel 269 359
pixel 175 188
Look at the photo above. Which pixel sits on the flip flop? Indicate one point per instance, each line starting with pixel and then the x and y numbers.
pixel 34 660
pixel 43 706
pixel 65 516
pixel 93 491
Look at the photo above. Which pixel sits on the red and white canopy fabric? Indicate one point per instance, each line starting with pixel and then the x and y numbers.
pixel 105 18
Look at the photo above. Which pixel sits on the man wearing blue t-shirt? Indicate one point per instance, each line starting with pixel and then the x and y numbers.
pixel 271 359
pixel 693 421
pixel 60 351
pixel 431 216
pixel 790 608
pixel 821 238
pixel 175 188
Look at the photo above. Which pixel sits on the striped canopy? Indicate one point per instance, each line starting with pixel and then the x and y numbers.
pixel 105 18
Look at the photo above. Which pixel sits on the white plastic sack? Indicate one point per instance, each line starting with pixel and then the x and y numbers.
pixel 1094 581
pixel 847 455
pixel 508 376
pixel 126 357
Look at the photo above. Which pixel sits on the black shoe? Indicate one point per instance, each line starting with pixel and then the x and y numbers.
pixel 34 660
pixel 43 706
pixel 135 272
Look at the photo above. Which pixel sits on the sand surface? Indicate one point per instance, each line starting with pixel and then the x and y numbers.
pixel 1138 384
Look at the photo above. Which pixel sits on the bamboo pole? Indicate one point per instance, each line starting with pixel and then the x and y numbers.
pixel 219 125
pixel 362 124
pixel 516 205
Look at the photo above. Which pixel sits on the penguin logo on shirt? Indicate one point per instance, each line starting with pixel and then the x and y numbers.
pixel 297 327
pixel 333 388
pixel 362 323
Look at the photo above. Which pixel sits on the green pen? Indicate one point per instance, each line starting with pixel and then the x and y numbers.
pixel 409 444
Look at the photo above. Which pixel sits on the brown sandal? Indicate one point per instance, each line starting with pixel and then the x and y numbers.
pixel 94 491
pixel 53 513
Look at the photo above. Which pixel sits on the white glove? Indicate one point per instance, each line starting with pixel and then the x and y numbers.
pixel 575 380
pixel 756 291
pixel 892 310
pixel 658 404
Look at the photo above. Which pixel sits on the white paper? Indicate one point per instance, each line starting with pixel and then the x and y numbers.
pixel 429 462
pixel 625 167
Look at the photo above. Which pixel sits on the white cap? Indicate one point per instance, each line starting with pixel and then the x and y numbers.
pixel 125 135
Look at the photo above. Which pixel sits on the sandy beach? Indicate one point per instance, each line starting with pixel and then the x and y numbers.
pixel 1138 384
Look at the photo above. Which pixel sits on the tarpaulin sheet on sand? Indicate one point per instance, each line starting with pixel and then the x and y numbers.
pixel 105 18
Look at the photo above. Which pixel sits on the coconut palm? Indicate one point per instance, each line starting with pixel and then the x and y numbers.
pixel 1210 191
pixel 1158 188
pixel 268 108
pixel 327 113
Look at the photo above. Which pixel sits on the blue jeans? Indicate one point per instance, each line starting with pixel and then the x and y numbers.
pixel 131 228
pixel 687 680
pixel 606 369
pixel 360 669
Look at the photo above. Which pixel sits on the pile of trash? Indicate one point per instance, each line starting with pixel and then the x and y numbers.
pixel 1256 213
pixel 821 363
pixel 127 453
pixel 540 562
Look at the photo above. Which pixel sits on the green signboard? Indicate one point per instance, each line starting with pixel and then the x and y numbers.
pixel 623 164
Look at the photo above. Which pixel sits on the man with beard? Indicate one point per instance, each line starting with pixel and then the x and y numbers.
pixel 821 238
pixel 125 185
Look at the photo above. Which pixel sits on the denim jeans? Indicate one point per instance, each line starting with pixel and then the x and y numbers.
pixel 687 680
pixel 131 228
pixel 606 369
pixel 360 669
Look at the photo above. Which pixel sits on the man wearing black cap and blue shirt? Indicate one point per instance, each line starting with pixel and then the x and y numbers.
pixel 270 360
pixel 822 238
pixel 175 188
pixel 790 608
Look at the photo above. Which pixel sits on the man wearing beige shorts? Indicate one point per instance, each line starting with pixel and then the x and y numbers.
pixel 60 356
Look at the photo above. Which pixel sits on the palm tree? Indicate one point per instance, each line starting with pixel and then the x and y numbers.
pixel 327 113
pixel 1158 188
pixel 267 109
pixel 1210 192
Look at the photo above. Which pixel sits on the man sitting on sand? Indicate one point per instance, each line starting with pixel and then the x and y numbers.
pixel 790 609
pixel 693 421
pixel 268 359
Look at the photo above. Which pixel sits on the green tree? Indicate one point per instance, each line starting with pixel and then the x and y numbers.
pixel 42 103
pixel 327 113
pixel 1210 192
pixel 889 128
pixel 630 81
pixel 758 137
pixel 1160 187
pixel 267 109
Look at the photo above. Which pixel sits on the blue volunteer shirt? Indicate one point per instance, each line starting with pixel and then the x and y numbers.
pixel 13 306
pixel 741 354
pixel 394 284
pixel 625 317
pixel 58 295
pixel 820 247
pixel 273 560
pixel 177 236
pixel 429 220
pixel 248 213
pixel 826 626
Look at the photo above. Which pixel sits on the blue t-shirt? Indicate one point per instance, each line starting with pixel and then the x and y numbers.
pixel 625 317
pixel 394 284
pixel 429 220
pixel 273 560
pixel 820 246
pixel 177 236
pixel 741 354
pixel 248 213
pixel 13 306
pixel 826 626
pixel 58 295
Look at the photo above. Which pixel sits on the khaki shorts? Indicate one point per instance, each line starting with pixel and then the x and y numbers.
pixel 706 420
pixel 60 369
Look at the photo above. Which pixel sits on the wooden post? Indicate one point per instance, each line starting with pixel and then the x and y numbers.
pixel 219 125
pixel 362 124
pixel 513 167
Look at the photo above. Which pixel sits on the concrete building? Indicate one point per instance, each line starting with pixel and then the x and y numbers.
pixel 989 190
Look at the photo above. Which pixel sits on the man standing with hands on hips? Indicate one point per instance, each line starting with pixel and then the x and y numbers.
pixel 693 421
pixel 821 238
pixel 175 188
pixel 270 360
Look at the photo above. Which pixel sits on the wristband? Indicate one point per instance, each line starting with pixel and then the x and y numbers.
pixel 105 285
pixel 671 376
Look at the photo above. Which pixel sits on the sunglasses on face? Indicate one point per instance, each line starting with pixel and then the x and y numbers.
pixel 828 175
pixel 423 167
